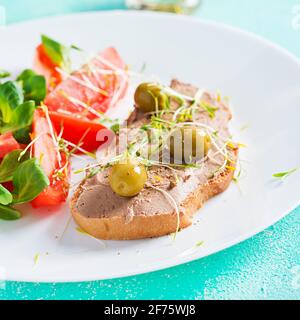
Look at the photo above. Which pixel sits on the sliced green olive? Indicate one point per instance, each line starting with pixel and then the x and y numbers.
pixel 149 97
pixel 127 179
pixel 188 144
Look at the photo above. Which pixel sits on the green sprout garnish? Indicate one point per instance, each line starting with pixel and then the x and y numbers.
pixel 285 174
pixel 210 109
pixel 115 128
pixel 199 244
pixel 143 68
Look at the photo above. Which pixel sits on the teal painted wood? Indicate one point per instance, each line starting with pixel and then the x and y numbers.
pixel 266 266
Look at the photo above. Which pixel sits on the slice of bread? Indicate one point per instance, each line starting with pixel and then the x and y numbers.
pixel 105 215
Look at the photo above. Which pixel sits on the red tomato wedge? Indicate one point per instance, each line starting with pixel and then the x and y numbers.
pixel 43 65
pixel 93 89
pixel 54 163
pixel 7 144
pixel 77 129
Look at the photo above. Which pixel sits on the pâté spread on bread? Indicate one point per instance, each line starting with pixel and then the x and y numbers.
pixel 178 154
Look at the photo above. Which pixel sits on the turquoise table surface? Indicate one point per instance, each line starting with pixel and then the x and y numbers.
pixel 266 266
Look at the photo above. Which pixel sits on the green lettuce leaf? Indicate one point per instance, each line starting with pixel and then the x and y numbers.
pixel 5 196
pixel 23 135
pixel 57 52
pixel 4 74
pixel 29 181
pixel 34 85
pixel 8 213
pixel 11 96
pixel 9 165
pixel 20 117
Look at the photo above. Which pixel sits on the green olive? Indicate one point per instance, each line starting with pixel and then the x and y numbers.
pixel 127 179
pixel 149 96
pixel 188 144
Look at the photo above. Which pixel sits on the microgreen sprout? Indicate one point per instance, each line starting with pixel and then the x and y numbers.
pixel 285 174
pixel 199 244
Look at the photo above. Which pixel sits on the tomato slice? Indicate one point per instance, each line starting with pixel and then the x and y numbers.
pixel 77 130
pixel 43 65
pixel 93 89
pixel 7 144
pixel 54 163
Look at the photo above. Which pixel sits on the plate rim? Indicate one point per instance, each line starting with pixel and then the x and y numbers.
pixel 194 19
pixel 31 277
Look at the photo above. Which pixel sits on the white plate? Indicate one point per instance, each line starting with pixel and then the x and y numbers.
pixel 263 81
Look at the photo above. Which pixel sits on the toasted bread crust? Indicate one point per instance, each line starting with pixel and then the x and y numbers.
pixel 116 228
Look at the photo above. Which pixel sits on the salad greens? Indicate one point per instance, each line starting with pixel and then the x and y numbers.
pixel 11 96
pixel 34 85
pixel 8 213
pixel 10 163
pixel 5 196
pixel 21 117
pixel 28 179
pixel 4 74
pixel 22 177
pixel 57 52
pixel 23 135
pixel 18 101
